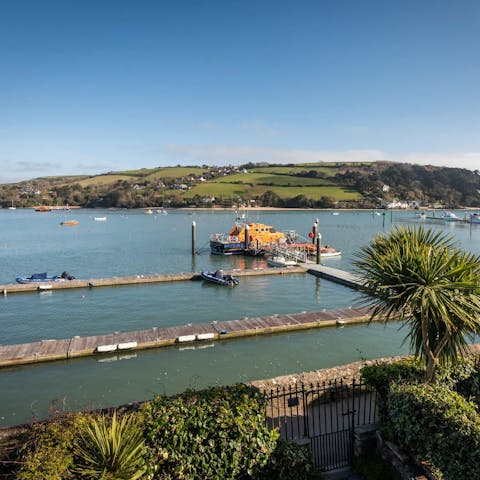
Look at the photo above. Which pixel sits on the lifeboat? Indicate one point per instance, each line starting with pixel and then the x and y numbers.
pixel 244 237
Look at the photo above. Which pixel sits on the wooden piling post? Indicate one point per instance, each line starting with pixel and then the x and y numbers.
pixel 194 238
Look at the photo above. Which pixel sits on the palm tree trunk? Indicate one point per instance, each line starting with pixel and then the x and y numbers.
pixel 431 358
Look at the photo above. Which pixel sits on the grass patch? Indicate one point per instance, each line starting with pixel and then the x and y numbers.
pixel 176 172
pixel 328 171
pixel 272 179
pixel 215 189
pixel 226 190
pixel 107 180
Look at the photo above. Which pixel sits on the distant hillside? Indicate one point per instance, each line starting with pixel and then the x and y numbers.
pixel 315 185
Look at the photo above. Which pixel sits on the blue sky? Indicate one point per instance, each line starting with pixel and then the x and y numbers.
pixel 97 85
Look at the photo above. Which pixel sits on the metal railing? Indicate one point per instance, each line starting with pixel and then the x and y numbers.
pixel 324 413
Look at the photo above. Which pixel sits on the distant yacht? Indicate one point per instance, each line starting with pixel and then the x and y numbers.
pixel 13 207
pixel 450 217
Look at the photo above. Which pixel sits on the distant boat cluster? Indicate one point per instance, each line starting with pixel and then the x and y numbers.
pixel 473 218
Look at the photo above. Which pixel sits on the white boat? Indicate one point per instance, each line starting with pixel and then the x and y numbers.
pixel 327 252
pixel 280 261
pixel 100 219
pixel 149 211
pixel 450 217
pixel 475 217
pixel 162 211
pixel 13 207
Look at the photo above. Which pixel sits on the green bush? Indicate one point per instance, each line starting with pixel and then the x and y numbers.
pixel 48 450
pixel 218 433
pixel 438 425
pixel 467 381
pixel 380 376
pixel 289 461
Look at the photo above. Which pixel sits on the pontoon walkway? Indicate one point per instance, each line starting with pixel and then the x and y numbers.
pixel 329 273
pixel 118 343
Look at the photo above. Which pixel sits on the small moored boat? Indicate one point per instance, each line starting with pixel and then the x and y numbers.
pixel 280 261
pixel 69 223
pixel 327 252
pixel 100 219
pixel 43 277
pixel 38 278
pixel 450 217
pixel 219 278
pixel 475 217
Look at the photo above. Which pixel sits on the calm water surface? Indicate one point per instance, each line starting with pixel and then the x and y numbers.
pixel 133 243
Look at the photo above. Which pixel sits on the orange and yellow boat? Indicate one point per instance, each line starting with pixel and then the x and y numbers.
pixel 246 237
pixel 43 208
pixel 69 223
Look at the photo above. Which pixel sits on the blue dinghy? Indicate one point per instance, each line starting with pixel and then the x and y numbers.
pixel 43 277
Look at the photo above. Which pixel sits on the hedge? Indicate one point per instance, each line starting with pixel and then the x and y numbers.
pixel 218 433
pixel 438 425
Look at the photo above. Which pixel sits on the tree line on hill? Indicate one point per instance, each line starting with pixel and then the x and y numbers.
pixel 377 183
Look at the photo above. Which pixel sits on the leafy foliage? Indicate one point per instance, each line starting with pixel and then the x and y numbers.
pixel 437 425
pixel 218 433
pixel 48 451
pixel 289 461
pixel 109 449
pixel 419 277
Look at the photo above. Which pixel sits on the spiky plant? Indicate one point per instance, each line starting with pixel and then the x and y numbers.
pixel 420 277
pixel 109 449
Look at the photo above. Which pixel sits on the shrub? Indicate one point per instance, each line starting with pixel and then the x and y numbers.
pixel 467 381
pixel 289 461
pixel 107 449
pixel 218 433
pixel 381 376
pixel 47 453
pixel 438 425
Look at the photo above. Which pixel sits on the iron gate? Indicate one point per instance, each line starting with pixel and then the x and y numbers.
pixel 325 415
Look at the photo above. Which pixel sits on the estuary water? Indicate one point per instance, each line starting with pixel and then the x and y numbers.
pixel 134 243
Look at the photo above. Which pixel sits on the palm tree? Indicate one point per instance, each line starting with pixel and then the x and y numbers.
pixel 421 278
pixel 108 449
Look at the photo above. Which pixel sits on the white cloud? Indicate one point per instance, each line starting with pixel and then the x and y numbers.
pixel 259 128
pixel 223 154
pixel 226 155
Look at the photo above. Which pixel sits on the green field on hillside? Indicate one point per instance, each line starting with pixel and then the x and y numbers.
pixel 328 171
pixel 107 180
pixel 272 179
pixel 231 190
pixel 176 172
pixel 215 189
